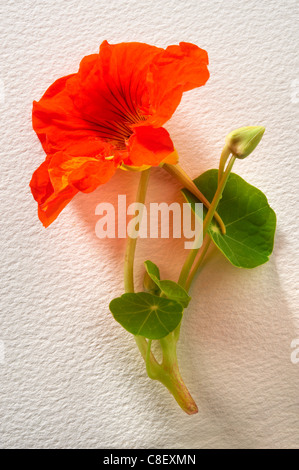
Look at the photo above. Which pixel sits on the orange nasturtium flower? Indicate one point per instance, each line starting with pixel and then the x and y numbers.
pixel 110 114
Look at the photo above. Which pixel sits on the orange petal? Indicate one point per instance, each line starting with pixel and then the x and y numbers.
pixel 174 71
pixel 149 146
pixel 56 121
pixel 61 176
pixel 60 125
pixel 115 88
pixel 50 211
pixel 50 204
pixel 83 173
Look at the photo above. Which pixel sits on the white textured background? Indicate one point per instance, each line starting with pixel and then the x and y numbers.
pixel 71 376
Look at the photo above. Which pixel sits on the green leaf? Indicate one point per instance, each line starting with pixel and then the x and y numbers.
pixel 172 290
pixel 146 314
pixel 152 269
pixel 151 277
pixel 249 220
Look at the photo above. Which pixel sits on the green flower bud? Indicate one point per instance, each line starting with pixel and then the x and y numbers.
pixel 241 142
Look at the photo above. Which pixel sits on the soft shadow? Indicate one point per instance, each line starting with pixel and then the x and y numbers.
pixel 240 328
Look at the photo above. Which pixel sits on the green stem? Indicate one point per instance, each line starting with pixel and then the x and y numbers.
pixel 204 249
pixel 187 284
pixel 131 241
pixel 187 267
pixel 217 196
pixel 223 159
pixel 168 372
pixel 206 223
pixel 186 277
pixel 149 370
pixel 169 375
pixel 182 176
pixel 129 259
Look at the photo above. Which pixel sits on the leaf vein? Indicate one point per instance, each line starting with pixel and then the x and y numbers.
pixel 246 215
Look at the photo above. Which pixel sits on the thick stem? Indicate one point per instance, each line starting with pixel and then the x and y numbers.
pixel 169 375
pixel 173 381
pixel 182 176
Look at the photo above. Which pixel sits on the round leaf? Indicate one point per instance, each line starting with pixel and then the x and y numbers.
pixel 146 314
pixel 249 220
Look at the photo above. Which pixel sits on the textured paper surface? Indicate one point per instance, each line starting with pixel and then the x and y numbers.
pixel 72 377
